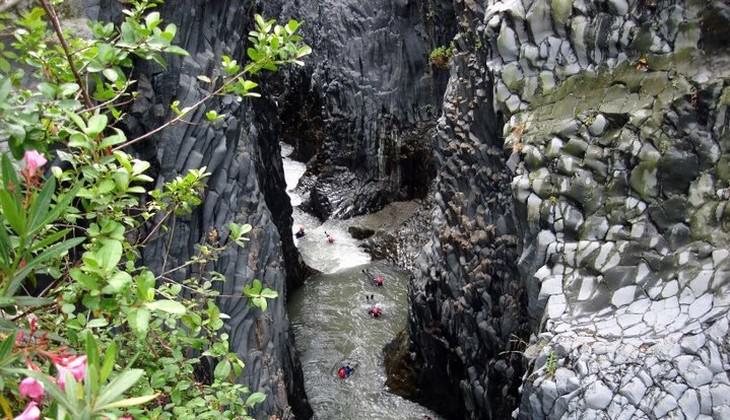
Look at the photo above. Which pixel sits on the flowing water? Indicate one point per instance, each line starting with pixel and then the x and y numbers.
pixel 329 316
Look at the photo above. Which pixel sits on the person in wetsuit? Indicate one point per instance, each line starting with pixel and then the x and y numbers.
pixel 379 281
pixel 300 232
pixel 329 237
pixel 344 372
pixel 375 311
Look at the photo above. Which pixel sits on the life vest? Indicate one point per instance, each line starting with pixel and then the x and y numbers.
pixel 342 373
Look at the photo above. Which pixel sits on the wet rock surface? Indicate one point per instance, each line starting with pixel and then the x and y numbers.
pixel 580 206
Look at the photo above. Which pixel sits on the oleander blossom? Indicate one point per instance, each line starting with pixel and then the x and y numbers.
pixel 32 389
pixel 31 412
pixel 75 365
pixel 33 161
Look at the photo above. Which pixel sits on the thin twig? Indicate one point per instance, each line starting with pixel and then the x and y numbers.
pixel 157 226
pixel 56 23
pixel 169 243
pixel 33 309
pixel 110 101
pixel 182 114
pixel 172 270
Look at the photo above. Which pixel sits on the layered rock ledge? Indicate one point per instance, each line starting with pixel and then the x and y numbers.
pixel 578 265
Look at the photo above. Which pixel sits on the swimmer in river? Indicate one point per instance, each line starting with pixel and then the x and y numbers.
pixel 344 372
pixel 379 280
pixel 329 237
pixel 375 311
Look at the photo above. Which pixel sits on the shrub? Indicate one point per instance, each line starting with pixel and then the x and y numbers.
pixel 440 57
pixel 85 331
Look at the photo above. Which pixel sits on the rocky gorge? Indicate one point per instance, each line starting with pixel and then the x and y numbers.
pixel 575 155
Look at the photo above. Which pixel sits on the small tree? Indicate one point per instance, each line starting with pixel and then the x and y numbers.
pixel 85 331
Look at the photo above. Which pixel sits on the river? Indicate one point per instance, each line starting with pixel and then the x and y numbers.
pixel 329 316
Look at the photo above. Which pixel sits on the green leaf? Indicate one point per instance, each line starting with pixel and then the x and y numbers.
pixel 211 115
pixel 40 207
pixel 145 282
pixel 108 364
pixel 88 281
pixel 256 286
pixel 4 246
pixel 269 294
pixel 255 398
pixel 305 50
pixel 12 212
pixel 117 282
pixel 52 252
pixel 174 49
pixel 50 239
pixel 7 346
pixel 109 254
pixel 121 179
pixel 79 140
pixel 169 306
pixel 117 386
pixel 248 85
pixel 10 177
pixel 92 354
pixel 5 86
pixel 77 120
pixel 260 303
pixel 96 323
pixel 139 321
pixel 152 20
pixel 68 89
pixel 96 125
pixel 129 402
pixel 47 89
pixel 63 202
pixel 110 74
pixel 113 140
pixel 31 301
pixel 222 370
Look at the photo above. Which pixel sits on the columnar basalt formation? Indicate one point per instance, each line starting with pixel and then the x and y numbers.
pixel 615 127
pixel 246 186
pixel 372 95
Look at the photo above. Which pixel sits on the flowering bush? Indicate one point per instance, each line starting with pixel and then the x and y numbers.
pixel 85 331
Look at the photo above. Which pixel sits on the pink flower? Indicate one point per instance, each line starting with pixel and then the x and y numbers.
pixel 31 412
pixel 32 389
pixel 76 365
pixel 33 161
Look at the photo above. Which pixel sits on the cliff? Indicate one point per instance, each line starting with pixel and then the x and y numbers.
pixel 362 111
pixel 578 262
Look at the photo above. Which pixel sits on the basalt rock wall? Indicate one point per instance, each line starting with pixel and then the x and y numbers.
pixel 246 186
pixel 362 109
pixel 578 264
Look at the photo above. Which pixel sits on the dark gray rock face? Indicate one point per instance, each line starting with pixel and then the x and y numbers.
pixel 246 186
pixel 363 108
pixel 598 129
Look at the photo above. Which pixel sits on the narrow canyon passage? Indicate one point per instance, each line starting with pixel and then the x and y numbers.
pixel 331 324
